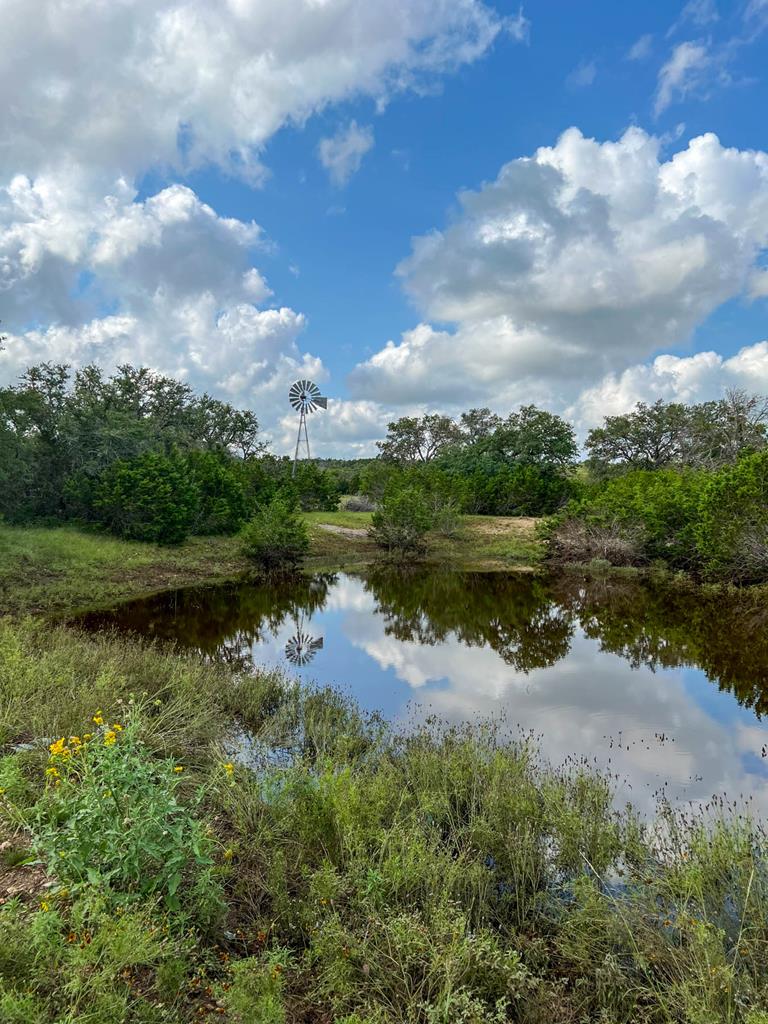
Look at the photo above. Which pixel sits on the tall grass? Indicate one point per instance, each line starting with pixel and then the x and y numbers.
pixel 443 875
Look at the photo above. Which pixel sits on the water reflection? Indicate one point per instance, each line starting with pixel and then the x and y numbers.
pixel 665 686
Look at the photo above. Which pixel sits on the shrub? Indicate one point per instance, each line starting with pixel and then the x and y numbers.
pixel 732 530
pixel 222 503
pixel 359 503
pixel 638 517
pixel 402 522
pixel 276 537
pixel 150 498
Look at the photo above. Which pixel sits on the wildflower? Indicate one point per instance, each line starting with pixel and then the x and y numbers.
pixel 72 937
pixel 117 727
pixel 45 906
pixel 229 854
pixel 59 748
pixel 87 736
pixel 107 793
pixel 53 772
pixel 98 718
pixel 178 769
pixel 109 738
pixel 229 769
pixel 75 741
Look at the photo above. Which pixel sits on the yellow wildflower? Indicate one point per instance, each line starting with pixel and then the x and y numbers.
pixel 59 748
pixel 178 769
pixel 53 772
pixel 107 793
pixel 229 854
pixel 98 718
pixel 229 768
pixel 87 736
pixel 45 905
pixel 109 738
pixel 75 741
pixel 117 727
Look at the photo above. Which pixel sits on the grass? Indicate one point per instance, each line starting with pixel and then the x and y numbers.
pixel 64 570
pixel 481 542
pixel 343 873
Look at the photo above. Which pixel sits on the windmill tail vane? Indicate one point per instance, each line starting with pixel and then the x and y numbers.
pixel 305 397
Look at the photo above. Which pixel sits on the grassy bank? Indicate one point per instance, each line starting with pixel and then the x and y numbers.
pixel 64 570
pixel 361 877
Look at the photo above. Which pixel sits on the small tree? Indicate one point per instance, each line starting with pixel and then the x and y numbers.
pixel 151 498
pixel 276 538
pixel 402 522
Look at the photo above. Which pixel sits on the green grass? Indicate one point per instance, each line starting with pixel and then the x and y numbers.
pixel 443 876
pixel 65 570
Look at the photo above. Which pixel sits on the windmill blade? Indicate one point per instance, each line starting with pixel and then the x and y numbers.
pixel 321 402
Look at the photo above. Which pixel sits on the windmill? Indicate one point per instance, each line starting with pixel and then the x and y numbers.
pixel 301 648
pixel 304 396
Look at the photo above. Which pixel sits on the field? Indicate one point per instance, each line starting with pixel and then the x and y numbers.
pixel 63 570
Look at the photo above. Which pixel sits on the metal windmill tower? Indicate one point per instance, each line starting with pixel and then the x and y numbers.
pixel 305 397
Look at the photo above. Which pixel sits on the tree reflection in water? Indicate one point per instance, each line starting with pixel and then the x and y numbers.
pixel 528 620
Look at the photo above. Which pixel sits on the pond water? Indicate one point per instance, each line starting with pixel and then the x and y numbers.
pixel 665 688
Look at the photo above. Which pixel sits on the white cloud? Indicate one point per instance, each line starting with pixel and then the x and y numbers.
pixel 519 27
pixel 696 378
pixel 117 85
pixel 696 12
pixel 685 71
pixel 97 93
pixel 342 154
pixel 571 266
pixel 582 75
pixel 641 48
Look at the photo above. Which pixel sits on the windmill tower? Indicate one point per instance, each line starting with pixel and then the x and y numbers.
pixel 304 396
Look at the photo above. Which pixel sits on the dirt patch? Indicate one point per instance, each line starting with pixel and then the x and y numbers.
pixel 344 531
pixel 25 882
pixel 497 526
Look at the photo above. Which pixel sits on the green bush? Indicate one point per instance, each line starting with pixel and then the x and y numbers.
pixel 401 523
pixel 222 504
pixel 110 818
pixel 276 537
pixel 150 498
pixel 732 529
pixel 642 516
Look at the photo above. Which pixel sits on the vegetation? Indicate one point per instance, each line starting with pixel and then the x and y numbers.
pixel 401 524
pixel 276 537
pixel 363 875
pixel 712 524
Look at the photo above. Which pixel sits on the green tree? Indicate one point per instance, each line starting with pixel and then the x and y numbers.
pixel 413 439
pixel 222 504
pixel 276 538
pixel 732 527
pixel 151 498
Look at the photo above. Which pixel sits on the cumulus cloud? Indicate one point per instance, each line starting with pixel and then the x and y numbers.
pixel 571 266
pixel 126 85
pixel 686 70
pixel 696 378
pixel 98 93
pixel 342 154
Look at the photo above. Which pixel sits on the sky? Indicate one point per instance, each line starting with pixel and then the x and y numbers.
pixel 423 205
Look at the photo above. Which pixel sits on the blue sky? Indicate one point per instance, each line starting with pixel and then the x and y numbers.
pixel 138 154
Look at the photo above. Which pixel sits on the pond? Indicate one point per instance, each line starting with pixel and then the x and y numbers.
pixel 665 687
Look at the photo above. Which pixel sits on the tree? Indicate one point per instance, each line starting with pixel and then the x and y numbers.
pixel 668 434
pixel 535 437
pixel 649 437
pixel 732 527
pixel 479 424
pixel 413 439
pixel 151 498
